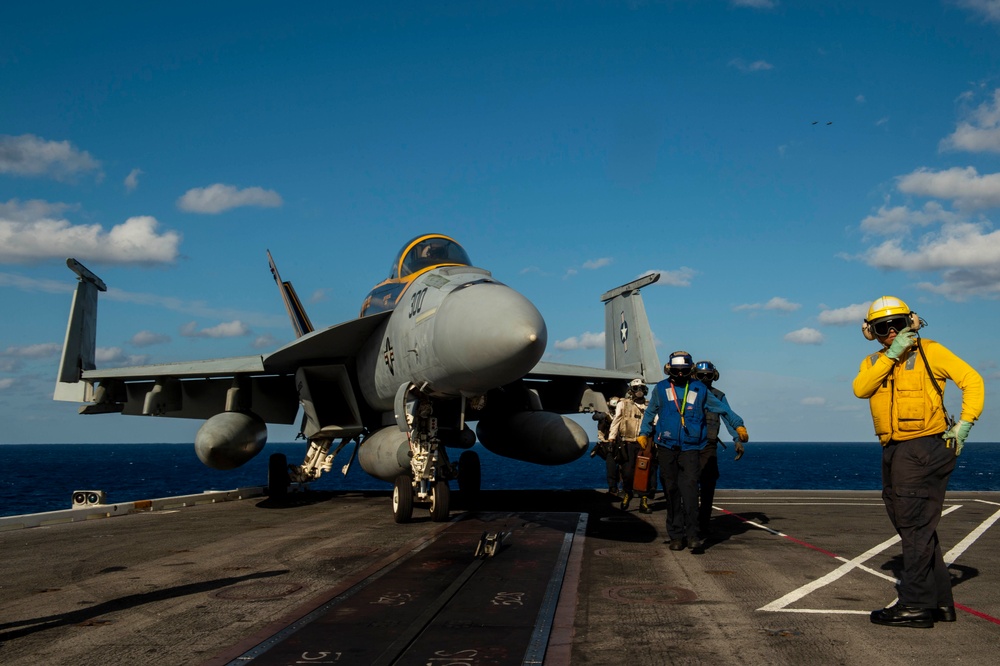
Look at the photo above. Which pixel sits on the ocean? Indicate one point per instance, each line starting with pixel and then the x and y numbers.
pixel 42 477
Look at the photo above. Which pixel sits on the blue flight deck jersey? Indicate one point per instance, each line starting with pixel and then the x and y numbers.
pixel 679 412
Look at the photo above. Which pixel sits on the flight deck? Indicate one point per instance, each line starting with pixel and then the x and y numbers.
pixel 553 577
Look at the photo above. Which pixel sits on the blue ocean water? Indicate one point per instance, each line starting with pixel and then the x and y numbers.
pixel 42 477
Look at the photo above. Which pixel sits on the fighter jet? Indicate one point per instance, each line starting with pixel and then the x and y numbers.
pixel 437 345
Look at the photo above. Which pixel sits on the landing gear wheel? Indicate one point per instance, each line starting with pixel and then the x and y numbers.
pixel 277 476
pixel 440 498
pixel 402 499
pixel 469 478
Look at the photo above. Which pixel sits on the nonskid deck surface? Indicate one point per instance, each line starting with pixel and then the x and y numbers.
pixel 787 577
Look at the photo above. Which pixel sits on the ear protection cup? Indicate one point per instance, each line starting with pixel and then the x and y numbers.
pixel 914 323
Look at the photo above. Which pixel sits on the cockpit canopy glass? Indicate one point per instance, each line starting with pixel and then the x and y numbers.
pixel 429 251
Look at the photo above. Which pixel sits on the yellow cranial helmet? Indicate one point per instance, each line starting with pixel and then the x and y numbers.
pixel 887 306
pixel 887 313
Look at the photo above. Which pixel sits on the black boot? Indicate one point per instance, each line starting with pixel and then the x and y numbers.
pixel 902 615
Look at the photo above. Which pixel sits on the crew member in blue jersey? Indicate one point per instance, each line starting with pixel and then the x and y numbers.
pixel 677 408
pixel 708 476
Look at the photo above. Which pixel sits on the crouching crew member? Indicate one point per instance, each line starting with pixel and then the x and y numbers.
pixel 625 430
pixel 904 383
pixel 677 407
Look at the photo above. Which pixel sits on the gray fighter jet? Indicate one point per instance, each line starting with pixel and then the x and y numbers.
pixel 438 344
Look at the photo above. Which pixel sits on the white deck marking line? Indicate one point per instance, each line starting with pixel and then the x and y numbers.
pixel 847 566
pixel 982 501
pixel 970 539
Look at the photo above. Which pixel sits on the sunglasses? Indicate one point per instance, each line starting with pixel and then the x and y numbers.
pixel 882 326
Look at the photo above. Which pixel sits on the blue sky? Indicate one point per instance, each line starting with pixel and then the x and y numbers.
pixel 783 164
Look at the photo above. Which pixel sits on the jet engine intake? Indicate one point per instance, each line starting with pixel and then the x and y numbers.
pixel 385 454
pixel 543 438
pixel 230 439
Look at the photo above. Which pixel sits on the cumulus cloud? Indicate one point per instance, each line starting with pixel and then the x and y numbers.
pixel 116 357
pixel 148 338
pixel 980 131
pixel 755 66
pixel 776 303
pixel 132 180
pixel 586 341
pixel 29 155
pixel 965 186
pixel 597 263
pixel 900 219
pixel 850 315
pixel 35 231
pixel 218 198
pixel 805 336
pixel 230 329
pixel 265 341
pixel 6 383
pixel 680 278
pixel 41 350
pixel 964 245
pixel 813 401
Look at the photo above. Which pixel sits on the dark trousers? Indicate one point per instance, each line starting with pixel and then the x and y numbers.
pixel 611 466
pixel 679 478
pixel 914 480
pixel 628 471
pixel 707 477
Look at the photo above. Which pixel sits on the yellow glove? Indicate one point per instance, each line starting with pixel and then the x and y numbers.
pixel 742 432
pixel 643 441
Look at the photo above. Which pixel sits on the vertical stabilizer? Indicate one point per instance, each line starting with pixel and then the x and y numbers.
pixel 297 313
pixel 80 345
pixel 628 340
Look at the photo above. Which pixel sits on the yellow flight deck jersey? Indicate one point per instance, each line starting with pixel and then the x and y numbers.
pixel 914 409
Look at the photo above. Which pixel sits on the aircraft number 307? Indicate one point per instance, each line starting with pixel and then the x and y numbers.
pixel 417 302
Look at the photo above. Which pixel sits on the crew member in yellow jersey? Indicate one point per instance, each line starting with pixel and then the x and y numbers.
pixel 904 384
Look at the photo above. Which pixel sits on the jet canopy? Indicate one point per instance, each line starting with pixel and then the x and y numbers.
pixel 426 251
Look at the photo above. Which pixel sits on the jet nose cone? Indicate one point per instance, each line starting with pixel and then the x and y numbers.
pixel 487 335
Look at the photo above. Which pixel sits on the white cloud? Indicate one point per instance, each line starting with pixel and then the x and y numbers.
pixel 132 180
pixel 680 278
pixel 231 329
pixel 6 383
pixel 218 198
pixel 963 245
pixel 776 303
pixel 34 232
pixel 148 338
pixel 898 219
pixel 965 186
pixel 988 9
pixel 41 350
pixel 980 132
pixel 29 155
pixel 755 66
pixel 805 336
pixel 813 401
pixel 586 341
pixel 597 263
pixel 852 314
pixel 265 341
pixel 113 357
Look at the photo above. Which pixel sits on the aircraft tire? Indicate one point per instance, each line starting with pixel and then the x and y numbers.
pixel 402 499
pixel 469 478
pixel 440 499
pixel 277 476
